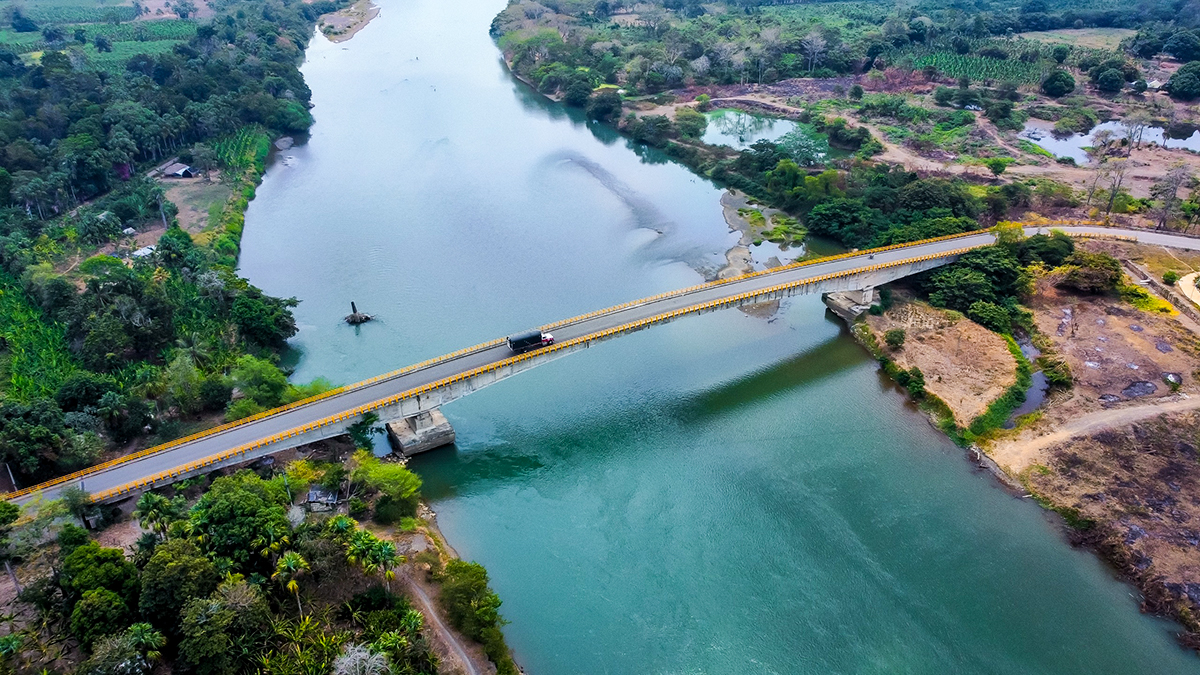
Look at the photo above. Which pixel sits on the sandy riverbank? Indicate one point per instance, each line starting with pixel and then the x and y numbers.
pixel 343 24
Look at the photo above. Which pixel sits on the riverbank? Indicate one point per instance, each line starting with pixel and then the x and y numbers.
pixel 1112 454
pixel 345 23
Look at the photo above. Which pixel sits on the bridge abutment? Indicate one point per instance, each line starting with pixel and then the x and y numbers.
pixel 421 432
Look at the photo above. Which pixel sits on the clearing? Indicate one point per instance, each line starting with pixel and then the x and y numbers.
pixel 1132 493
pixel 965 364
pixel 197 199
pixel 1091 38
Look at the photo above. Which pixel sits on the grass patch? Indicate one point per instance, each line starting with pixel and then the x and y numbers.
pixel 1144 300
pixel 786 230
pixel 1034 149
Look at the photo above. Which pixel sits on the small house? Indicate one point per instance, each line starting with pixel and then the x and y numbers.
pixel 321 499
pixel 143 252
pixel 179 170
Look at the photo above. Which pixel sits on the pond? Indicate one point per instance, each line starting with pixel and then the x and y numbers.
pixel 1041 133
pixel 740 130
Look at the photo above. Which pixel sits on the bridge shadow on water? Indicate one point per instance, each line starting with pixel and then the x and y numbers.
pixel 621 426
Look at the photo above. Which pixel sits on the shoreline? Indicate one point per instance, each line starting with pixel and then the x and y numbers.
pixel 345 23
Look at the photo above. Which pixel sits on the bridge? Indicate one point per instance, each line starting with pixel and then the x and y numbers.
pixel 425 386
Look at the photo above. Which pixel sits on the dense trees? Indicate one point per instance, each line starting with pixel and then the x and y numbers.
pixel 224 588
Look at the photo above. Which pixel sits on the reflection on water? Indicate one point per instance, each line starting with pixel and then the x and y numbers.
pixel 740 130
pixel 1041 133
pixel 722 494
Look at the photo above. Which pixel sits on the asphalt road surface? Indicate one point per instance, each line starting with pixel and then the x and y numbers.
pixel 129 472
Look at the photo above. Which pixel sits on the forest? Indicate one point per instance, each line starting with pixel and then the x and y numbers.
pixel 225 579
pixel 97 355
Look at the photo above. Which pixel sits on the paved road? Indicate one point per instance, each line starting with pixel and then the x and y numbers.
pixel 208 446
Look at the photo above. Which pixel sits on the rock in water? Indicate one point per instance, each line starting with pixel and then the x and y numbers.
pixel 356 317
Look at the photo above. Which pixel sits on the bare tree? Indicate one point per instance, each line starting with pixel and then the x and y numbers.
pixel 1135 125
pixel 1100 173
pixel 813 45
pixel 1116 174
pixel 1166 191
pixel 1101 140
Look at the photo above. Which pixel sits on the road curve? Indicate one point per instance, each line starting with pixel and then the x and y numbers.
pixel 154 461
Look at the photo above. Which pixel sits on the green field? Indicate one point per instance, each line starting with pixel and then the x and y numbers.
pixel 104 18
pixel 1091 38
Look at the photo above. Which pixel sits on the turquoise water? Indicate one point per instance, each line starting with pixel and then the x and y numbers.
pixel 724 494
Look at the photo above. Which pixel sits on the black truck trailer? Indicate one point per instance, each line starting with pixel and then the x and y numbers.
pixel 533 339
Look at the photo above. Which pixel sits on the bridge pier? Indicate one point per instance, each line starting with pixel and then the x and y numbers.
pixel 849 305
pixel 421 432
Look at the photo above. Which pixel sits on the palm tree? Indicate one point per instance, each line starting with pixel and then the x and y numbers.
pixel 383 556
pixel 271 541
pixel 358 549
pixel 341 526
pixel 146 640
pixel 290 567
pixel 156 512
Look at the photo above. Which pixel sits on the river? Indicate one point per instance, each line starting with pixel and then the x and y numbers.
pixel 724 494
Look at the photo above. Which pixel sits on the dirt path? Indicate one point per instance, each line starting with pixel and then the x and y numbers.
pixel 1017 454
pixel 443 632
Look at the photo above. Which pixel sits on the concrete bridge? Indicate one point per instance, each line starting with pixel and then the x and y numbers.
pixel 425 386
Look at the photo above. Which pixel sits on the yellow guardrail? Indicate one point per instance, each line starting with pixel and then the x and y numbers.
pixel 495 343
pixel 492 367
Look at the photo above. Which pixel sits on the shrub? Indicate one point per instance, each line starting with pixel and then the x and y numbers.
pixel 990 316
pixel 1185 82
pixel 916 383
pixel 1170 277
pixel 101 612
pixel 1058 83
pixel 1091 272
pixel 894 338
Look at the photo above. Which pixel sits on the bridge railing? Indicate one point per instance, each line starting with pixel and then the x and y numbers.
pixel 83 473
pixel 493 367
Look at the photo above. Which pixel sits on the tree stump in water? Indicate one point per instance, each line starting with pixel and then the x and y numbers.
pixel 356 317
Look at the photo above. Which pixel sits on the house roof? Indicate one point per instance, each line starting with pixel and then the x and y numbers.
pixel 176 169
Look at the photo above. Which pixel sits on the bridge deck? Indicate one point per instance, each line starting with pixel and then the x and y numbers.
pixel 351 400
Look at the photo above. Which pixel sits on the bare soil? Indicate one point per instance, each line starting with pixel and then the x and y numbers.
pixel 1139 486
pixel 343 24
pixel 965 364
pixel 194 197
pixel 1118 355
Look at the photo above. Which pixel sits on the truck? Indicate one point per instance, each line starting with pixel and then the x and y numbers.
pixel 533 339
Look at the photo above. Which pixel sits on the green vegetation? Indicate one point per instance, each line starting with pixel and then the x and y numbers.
pixel 230 585
pixel 894 338
pixel 96 348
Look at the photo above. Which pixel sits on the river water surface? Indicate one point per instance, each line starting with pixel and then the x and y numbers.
pixel 725 494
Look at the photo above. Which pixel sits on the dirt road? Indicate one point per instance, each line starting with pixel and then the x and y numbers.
pixel 443 632
pixel 1018 453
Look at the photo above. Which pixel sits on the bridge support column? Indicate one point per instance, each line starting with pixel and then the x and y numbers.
pixel 864 297
pixel 424 431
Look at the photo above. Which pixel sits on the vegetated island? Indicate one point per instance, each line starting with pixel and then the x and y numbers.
pixel 1069 368
pixel 133 139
